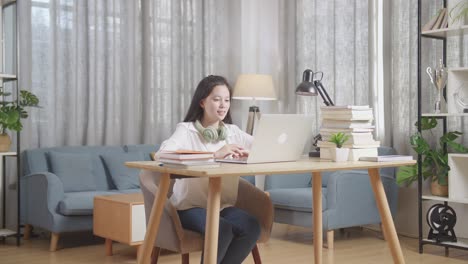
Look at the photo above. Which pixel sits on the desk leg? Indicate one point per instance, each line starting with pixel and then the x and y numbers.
pixel 212 221
pixel 317 210
pixel 386 216
pixel 144 256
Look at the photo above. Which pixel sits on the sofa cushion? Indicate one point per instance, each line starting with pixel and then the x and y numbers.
pixel 123 177
pixel 74 170
pixel 296 199
pixel 130 191
pixel 79 203
pixel 144 148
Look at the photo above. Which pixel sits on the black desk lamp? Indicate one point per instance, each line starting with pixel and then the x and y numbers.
pixel 311 87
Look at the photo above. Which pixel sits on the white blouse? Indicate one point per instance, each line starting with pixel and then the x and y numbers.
pixel 193 192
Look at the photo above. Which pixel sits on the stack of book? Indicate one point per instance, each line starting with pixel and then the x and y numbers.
pixel 187 159
pixel 439 21
pixel 356 122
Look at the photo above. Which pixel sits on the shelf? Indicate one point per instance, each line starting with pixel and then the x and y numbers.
pixel 6 232
pixel 459 69
pixel 7 2
pixel 462 243
pixel 7 77
pixel 8 153
pixel 442 33
pixel 444 114
pixel 444 199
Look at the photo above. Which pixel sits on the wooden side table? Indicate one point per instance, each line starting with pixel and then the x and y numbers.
pixel 121 218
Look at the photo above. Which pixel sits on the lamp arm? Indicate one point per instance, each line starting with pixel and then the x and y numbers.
pixel 327 101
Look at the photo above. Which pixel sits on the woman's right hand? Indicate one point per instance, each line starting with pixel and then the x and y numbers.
pixel 231 149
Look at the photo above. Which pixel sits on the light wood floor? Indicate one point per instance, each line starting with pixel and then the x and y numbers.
pixel 287 245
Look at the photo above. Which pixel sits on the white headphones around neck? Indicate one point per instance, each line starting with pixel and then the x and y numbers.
pixel 212 134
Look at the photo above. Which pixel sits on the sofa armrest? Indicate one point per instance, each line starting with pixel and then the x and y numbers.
pixel 256 203
pixel 351 200
pixel 42 194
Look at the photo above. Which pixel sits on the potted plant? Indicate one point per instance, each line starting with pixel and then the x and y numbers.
pixel 11 113
pixel 339 153
pixel 434 160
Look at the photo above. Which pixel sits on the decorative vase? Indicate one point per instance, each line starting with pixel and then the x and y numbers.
pixel 439 190
pixel 340 154
pixel 5 142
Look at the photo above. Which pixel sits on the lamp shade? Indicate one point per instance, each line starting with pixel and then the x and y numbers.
pixel 254 87
pixel 307 86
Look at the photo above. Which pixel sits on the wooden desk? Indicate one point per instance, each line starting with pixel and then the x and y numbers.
pixel 312 165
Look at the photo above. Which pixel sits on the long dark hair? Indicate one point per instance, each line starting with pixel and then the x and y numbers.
pixel 204 88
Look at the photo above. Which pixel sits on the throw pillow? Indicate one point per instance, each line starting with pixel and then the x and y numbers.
pixel 124 177
pixel 75 170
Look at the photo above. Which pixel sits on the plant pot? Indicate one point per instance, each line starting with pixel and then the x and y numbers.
pixel 5 143
pixel 339 154
pixel 439 190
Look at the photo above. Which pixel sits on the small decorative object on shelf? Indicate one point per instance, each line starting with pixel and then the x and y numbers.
pixel 339 154
pixel 438 21
pixel 441 220
pixel 438 78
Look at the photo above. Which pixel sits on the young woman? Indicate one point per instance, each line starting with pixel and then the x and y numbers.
pixel 207 127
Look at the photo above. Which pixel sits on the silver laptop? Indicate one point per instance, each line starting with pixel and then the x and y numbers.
pixel 277 138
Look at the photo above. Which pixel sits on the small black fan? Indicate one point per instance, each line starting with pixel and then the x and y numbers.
pixel 442 219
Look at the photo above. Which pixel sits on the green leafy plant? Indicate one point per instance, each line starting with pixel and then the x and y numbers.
pixel 11 112
pixel 459 11
pixel 339 139
pixel 434 160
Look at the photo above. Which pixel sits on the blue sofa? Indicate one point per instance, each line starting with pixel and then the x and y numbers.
pixel 59 184
pixel 347 198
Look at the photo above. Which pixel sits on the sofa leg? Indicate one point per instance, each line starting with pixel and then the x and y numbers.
pixel 27 232
pixel 108 247
pixel 330 239
pixel 155 255
pixel 185 258
pixel 53 242
pixel 383 232
pixel 256 255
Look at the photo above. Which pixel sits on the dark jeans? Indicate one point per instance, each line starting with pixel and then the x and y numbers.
pixel 238 232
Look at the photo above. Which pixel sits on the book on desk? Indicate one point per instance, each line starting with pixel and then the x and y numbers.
pixel 387 158
pixel 187 159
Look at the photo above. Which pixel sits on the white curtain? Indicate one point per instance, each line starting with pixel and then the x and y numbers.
pixel 116 71
pixel 113 72
pixel 333 37
pixel 123 72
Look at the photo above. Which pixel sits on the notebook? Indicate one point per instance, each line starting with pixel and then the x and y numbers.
pixel 278 138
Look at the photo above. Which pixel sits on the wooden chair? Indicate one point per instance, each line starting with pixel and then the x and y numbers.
pixel 172 236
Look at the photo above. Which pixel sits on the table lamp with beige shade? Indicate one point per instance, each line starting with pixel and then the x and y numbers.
pixel 256 87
